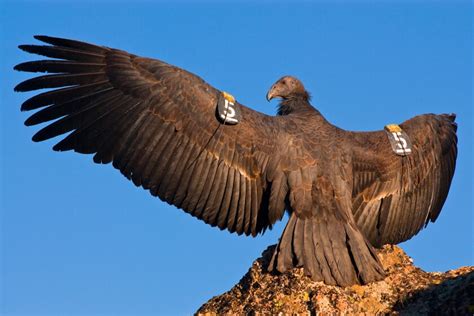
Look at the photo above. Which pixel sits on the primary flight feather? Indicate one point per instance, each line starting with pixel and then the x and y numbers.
pixel 346 192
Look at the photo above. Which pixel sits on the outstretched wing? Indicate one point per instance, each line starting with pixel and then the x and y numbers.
pixel 394 197
pixel 157 124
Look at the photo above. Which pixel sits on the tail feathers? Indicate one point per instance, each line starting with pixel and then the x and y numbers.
pixel 328 249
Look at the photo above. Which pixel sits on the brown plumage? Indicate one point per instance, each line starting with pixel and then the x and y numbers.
pixel 346 192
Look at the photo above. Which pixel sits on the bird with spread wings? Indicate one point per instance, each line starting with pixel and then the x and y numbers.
pixel 346 192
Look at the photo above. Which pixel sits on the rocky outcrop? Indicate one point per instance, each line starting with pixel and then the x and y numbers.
pixel 407 290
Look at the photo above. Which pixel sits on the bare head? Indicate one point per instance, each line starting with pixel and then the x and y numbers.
pixel 287 87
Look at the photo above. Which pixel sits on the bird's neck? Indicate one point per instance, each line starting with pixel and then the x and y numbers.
pixel 296 103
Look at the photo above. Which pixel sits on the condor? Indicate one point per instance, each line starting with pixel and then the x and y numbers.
pixel 346 192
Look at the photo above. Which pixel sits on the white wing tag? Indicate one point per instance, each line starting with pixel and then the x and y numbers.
pixel 399 140
pixel 227 110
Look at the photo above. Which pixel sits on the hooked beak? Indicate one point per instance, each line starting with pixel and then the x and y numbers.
pixel 271 93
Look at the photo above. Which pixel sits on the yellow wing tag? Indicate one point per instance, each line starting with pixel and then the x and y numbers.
pixel 393 128
pixel 228 111
pixel 401 144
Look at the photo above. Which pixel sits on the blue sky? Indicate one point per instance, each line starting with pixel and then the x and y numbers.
pixel 79 239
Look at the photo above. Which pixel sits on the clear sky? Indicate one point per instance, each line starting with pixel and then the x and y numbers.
pixel 79 239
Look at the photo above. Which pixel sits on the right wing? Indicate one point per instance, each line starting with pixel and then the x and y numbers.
pixel 394 197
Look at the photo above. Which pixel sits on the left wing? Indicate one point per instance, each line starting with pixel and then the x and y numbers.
pixel 394 197
pixel 157 124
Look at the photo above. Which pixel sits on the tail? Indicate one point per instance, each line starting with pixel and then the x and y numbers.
pixel 329 248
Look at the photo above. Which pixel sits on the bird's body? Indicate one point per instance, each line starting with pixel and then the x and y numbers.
pixel 346 192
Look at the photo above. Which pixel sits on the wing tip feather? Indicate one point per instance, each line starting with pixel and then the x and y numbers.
pixel 24 86
pixel 18 67
pixel 36 138
pixel 42 38
pixel 27 47
pixel 20 87
pixel 28 122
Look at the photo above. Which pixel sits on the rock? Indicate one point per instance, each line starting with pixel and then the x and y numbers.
pixel 407 290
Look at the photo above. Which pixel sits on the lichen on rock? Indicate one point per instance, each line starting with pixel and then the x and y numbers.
pixel 407 290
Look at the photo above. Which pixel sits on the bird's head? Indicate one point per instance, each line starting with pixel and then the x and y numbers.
pixel 286 88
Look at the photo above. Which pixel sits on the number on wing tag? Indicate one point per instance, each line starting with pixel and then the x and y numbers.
pixel 227 110
pixel 399 140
